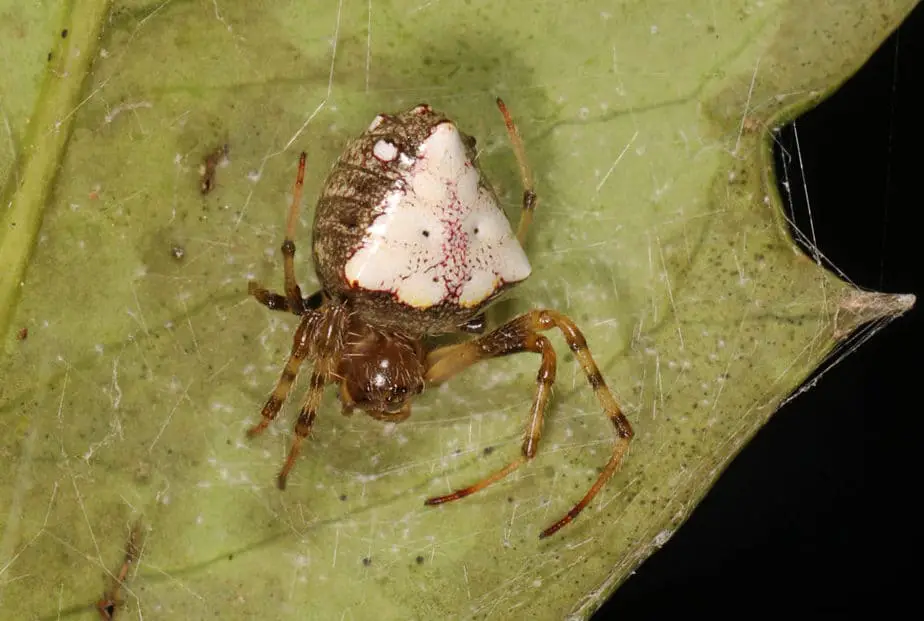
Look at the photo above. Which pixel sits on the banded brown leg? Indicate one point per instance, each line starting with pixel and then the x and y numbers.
pixel 277 302
pixel 305 422
pixel 292 300
pixel 500 343
pixel 522 334
pixel 301 346
pixel 293 292
pixel 529 194
pixel 271 299
pixel 322 333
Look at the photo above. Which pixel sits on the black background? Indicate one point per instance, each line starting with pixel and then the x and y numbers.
pixel 814 516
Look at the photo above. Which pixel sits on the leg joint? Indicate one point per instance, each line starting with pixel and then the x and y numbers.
pixel 576 341
pixel 546 375
pixel 623 427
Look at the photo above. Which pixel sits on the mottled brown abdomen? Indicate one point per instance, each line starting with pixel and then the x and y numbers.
pixel 371 167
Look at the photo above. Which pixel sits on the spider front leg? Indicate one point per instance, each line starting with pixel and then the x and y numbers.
pixel 301 346
pixel 277 302
pixel 320 334
pixel 522 334
pixel 308 411
pixel 304 423
pixel 292 300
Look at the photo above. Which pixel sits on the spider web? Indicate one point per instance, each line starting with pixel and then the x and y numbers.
pixel 657 232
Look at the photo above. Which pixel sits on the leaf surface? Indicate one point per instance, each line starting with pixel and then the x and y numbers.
pixel 658 230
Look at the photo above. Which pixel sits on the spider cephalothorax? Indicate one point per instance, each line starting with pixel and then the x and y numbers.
pixel 380 371
pixel 409 241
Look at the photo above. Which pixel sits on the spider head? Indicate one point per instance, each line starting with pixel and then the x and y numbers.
pixel 381 372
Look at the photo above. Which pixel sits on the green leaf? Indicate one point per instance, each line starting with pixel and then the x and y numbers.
pixel 658 230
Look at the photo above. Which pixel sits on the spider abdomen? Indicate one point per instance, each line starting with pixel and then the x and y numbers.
pixel 408 229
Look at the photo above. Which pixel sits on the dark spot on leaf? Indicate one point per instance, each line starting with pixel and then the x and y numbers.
pixel 419 560
pixel 367 561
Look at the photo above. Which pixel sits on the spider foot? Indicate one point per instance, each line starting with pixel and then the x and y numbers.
pixel 480 485
pixel 258 428
pixel 438 500
pixel 554 528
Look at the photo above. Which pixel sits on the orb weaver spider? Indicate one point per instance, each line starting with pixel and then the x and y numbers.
pixel 409 242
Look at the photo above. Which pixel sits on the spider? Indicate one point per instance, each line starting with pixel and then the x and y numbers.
pixel 410 242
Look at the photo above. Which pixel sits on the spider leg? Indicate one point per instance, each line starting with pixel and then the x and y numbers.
pixel 522 334
pixel 529 194
pixel 278 302
pixel 292 301
pixel 304 423
pixel 500 344
pixel 271 299
pixel 300 348
pixel 320 333
pixel 293 292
